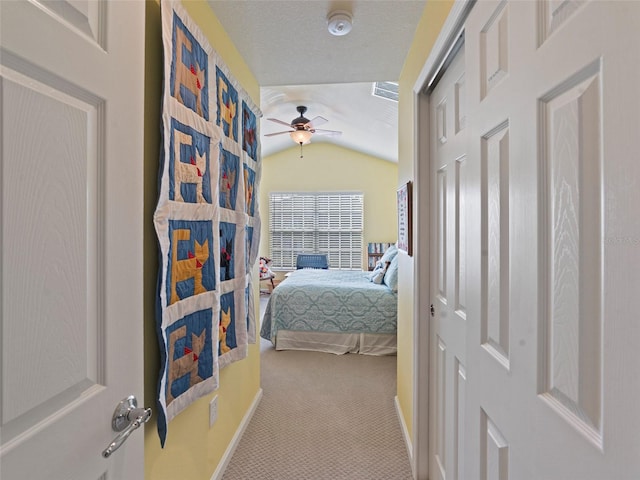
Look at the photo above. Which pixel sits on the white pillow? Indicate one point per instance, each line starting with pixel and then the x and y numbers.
pixel 388 254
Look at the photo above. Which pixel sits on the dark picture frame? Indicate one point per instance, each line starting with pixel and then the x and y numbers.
pixel 405 222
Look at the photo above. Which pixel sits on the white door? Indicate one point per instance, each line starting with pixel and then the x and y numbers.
pixel 71 99
pixel 553 271
pixel 448 148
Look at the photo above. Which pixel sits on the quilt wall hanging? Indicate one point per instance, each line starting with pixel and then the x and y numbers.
pixel 206 218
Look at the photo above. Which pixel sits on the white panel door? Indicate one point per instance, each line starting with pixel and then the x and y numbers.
pixel 448 169
pixel 552 351
pixel 71 99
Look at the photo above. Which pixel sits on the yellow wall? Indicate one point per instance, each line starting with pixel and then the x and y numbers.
pixel 433 17
pixel 327 168
pixel 192 450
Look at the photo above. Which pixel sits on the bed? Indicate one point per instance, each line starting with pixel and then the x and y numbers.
pixel 335 311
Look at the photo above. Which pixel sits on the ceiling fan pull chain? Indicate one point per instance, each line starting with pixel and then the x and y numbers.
pixel 300 149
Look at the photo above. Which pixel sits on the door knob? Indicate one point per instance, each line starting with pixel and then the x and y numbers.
pixel 126 418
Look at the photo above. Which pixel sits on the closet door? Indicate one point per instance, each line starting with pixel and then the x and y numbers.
pixel 448 153
pixel 553 273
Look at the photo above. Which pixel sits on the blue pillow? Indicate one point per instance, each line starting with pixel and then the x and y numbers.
pixel 391 277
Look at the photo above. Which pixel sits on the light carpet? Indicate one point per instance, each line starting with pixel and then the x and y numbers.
pixel 323 416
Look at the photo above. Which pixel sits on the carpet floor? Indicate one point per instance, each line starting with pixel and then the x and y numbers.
pixel 323 416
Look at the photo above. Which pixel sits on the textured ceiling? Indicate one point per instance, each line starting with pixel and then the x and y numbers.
pixel 296 61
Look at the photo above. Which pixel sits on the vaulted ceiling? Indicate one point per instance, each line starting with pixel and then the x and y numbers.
pixel 296 61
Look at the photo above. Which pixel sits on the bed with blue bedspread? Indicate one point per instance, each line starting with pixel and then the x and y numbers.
pixel 336 311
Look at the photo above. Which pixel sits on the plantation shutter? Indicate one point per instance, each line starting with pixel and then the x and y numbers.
pixel 329 223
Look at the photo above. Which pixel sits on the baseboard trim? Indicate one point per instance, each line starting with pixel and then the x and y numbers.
pixel 405 432
pixel 226 458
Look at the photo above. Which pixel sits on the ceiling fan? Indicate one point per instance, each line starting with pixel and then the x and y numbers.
pixel 302 129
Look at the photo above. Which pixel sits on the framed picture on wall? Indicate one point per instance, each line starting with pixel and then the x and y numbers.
pixel 405 230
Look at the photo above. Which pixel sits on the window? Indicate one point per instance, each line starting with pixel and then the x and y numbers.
pixel 330 223
pixel 388 90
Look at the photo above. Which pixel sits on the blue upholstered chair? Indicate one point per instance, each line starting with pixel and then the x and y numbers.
pixel 312 260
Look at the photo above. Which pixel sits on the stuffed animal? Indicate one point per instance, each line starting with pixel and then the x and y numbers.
pixel 378 273
pixel 265 271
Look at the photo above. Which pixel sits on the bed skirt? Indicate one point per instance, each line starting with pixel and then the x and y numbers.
pixel 338 343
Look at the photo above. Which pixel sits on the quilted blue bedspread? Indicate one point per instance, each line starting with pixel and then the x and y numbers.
pixel 339 301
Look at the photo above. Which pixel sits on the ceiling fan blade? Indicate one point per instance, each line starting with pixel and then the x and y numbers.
pixel 317 121
pixel 327 133
pixel 279 121
pixel 277 133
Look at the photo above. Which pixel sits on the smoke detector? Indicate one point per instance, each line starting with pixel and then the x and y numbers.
pixel 339 22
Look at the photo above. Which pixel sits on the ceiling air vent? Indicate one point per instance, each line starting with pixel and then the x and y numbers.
pixel 388 90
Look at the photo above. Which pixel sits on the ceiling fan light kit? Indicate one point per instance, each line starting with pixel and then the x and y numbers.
pixel 339 22
pixel 301 136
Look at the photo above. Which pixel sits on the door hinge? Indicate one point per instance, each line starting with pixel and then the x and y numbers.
pixel 433 310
